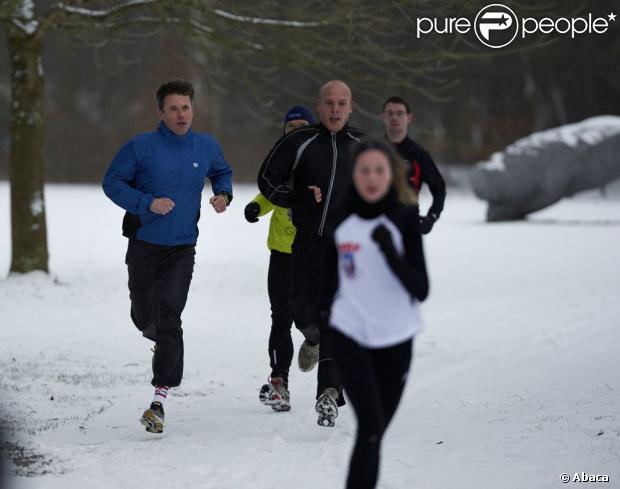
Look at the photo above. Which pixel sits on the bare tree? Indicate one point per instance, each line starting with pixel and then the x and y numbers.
pixel 25 29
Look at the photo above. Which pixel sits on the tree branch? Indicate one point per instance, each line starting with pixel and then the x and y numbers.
pixel 103 14
pixel 265 21
pixel 61 13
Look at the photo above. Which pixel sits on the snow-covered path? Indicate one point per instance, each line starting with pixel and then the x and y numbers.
pixel 515 380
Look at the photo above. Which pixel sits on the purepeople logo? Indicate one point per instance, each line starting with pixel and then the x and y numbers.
pixel 496 25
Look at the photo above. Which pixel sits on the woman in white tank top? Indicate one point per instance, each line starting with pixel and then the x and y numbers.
pixel 376 278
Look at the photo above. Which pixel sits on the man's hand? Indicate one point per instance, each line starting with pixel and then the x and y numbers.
pixel 317 193
pixel 251 212
pixel 218 202
pixel 162 206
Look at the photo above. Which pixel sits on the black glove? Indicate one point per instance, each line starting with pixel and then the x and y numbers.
pixel 382 236
pixel 426 223
pixel 251 212
pixel 131 224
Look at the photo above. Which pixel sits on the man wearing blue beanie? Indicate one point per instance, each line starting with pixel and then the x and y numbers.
pixel 279 241
pixel 297 116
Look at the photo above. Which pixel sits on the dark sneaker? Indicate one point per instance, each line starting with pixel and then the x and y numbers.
pixel 275 394
pixel 308 356
pixel 153 418
pixel 326 408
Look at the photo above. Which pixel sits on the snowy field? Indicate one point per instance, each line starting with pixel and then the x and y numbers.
pixel 515 381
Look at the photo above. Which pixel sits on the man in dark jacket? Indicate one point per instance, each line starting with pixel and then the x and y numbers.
pixel 308 171
pixel 158 177
pixel 420 166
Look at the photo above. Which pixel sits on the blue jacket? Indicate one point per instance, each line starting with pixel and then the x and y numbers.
pixel 162 164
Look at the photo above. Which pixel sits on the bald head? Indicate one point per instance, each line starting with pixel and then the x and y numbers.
pixel 334 105
pixel 334 85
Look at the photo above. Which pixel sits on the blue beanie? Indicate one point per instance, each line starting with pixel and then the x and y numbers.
pixel 299 112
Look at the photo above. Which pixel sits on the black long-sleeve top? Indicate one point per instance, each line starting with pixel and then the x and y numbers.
pixel 422 169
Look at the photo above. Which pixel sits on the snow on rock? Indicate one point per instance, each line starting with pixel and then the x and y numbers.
pixel 540 169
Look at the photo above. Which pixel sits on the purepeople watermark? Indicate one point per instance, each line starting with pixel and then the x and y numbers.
pixel 496 25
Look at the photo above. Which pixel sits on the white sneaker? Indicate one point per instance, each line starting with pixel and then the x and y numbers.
pixel 327 408
pixel 276 395
pixel 308 356
pixel 153 418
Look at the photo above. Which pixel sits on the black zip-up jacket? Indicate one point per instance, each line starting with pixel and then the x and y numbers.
pixel 422 169
pixel 309 156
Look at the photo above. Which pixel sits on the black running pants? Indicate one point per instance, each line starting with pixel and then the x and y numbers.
pixel 279 288
pixel 373 380
pixel 159 279
pixel 309 251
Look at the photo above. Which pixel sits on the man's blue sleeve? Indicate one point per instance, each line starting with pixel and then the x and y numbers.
pixel 117 183
pixel 220 172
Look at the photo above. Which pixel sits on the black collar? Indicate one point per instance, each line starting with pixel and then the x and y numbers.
pixel 368 210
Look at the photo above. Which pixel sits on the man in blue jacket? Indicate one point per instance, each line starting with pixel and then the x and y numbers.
pixel 158 177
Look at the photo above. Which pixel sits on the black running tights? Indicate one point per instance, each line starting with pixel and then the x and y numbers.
pixel 374 380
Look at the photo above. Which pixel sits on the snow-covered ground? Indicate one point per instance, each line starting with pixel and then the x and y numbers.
pixel 516 379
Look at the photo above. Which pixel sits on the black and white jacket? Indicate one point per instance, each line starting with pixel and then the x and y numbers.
pixel 375 281
pixel 309 156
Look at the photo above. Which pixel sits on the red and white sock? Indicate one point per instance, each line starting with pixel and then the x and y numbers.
pixel 161 393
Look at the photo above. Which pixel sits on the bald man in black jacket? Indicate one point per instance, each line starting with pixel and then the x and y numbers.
pixel 308 171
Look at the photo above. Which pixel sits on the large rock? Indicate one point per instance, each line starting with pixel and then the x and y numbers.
pixel 540 169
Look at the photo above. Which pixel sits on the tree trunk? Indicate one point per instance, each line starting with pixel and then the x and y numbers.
pixel 28 230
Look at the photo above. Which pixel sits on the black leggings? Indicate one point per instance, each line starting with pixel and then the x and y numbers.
pixel 279 287
pixel 374 380
pixel 307 264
